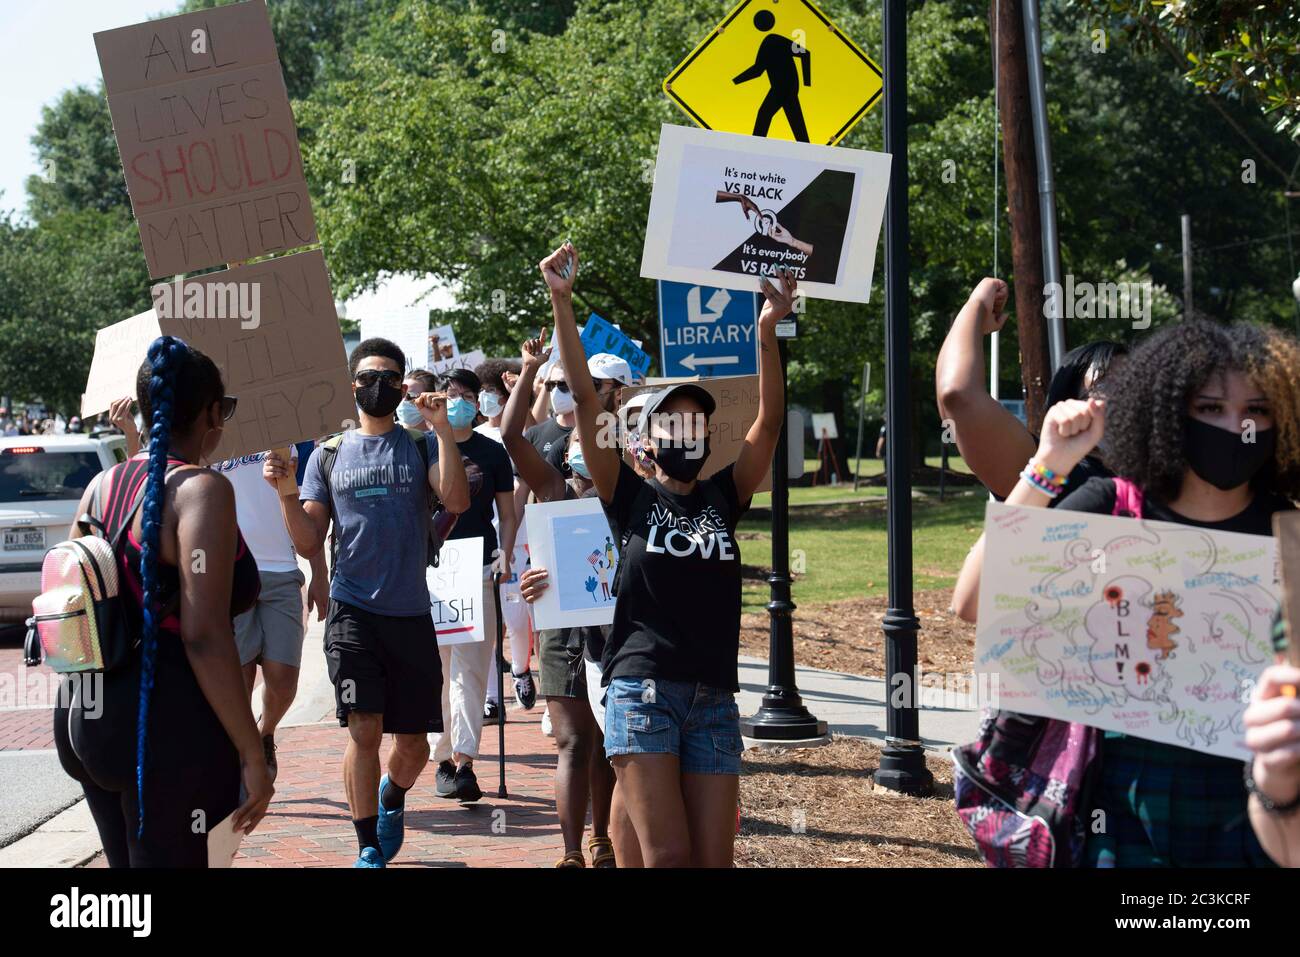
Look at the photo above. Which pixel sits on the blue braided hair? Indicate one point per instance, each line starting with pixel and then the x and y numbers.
pixel 170 363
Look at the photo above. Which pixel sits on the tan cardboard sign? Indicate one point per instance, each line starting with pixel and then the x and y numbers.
pixel 207 138
pixel 271 329
pixel 119 350
pixel 737 400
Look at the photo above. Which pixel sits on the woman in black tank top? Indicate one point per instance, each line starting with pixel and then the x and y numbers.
pixel 177 735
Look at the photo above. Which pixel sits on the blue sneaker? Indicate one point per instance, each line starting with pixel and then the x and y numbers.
pixel 370 857
pixel 392 826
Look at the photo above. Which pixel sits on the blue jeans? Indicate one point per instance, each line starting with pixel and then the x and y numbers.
pixel 698 723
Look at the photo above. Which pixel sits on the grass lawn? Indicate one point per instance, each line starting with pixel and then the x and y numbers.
pixel 841 547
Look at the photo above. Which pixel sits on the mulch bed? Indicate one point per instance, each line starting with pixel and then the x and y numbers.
pixel 817 807
pixel 845 636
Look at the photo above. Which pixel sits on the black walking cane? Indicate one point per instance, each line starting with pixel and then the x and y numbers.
pixel 501 684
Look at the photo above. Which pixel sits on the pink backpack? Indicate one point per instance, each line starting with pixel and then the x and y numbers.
pixel 1020 785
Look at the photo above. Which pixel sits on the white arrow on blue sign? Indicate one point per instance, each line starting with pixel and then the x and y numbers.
pixel 707 332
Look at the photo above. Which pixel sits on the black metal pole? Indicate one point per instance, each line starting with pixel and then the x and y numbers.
pixel 501 685
pixel 782 716
pixel 902 761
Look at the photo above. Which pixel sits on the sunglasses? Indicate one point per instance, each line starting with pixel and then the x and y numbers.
pixel 557 384
pixel 370 376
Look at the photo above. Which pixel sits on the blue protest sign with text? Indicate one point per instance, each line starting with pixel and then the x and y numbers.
pixel 601 336
pixel 707 332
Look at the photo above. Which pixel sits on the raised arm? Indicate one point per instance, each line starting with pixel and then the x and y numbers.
pixel 602 462
pixel 534 471
pixel 991 440
pixel 307 522
pixel 755 459
pixel 447 475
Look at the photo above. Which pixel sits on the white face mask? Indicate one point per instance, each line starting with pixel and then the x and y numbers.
pixel 561 402
pixel 489 404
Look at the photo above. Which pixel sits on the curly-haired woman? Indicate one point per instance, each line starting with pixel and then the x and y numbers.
pixel 1206 424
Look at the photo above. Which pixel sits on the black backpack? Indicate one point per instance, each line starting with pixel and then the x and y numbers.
pixel 440 520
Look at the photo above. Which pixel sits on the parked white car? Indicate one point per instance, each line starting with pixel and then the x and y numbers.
pixel 42 478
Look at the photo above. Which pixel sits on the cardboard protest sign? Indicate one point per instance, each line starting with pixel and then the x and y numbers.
pixel 456 592
pixel 573 542
pixel 1154 629
pixel 737 400
pixel 728 209
pixel 600 336
pixel 207 138
pixel 465 360
pixel 442 344
pixel 1286 528
pixel 408 330
pixel 119 350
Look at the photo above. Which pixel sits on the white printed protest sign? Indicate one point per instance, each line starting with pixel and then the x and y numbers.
pixel 728 209
pixel 572 541
pixel 1154 629
pixel 456 592
pixel 407 329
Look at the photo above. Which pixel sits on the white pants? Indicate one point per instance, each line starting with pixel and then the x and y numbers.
pixel 465 670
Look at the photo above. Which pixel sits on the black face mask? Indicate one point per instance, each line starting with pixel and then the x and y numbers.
pixel 1220 456
pixel 379 400
pixel 681 461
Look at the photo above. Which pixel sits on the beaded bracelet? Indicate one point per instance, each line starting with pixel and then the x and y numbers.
pixel 1043 471
pixel 1047 488
pixel 1266 802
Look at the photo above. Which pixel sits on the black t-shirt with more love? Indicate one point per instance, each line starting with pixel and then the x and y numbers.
pixel 677 613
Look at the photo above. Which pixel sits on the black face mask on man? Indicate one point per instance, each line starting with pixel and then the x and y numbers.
pixel 680 460
pixel 1222 458
pixel 378 399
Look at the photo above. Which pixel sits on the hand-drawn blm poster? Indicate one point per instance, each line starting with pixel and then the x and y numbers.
pixel 207 138
pixel 1154 629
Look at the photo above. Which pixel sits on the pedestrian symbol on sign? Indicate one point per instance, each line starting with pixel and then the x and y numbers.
pixel 776 56
pixel 753 75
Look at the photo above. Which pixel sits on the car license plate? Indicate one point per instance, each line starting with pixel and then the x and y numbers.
pixel 24 539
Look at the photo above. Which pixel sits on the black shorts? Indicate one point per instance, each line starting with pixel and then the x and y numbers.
pixel 385 665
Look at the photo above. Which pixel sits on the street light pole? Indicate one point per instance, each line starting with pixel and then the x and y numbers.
pixel 782 715
pixel 902 760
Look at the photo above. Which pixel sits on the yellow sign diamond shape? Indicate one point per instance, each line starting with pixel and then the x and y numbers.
pixel 777 68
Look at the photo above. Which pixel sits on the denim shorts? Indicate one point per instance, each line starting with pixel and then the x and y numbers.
pixel 698 723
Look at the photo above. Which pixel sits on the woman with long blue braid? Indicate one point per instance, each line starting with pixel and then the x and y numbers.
pixel 186 572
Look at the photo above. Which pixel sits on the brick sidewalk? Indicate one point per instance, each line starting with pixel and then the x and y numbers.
pixel 309 826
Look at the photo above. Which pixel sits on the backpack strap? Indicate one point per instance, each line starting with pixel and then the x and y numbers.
pixel 1128 498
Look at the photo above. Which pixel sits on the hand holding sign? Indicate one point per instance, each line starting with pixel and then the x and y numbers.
pixel 779 302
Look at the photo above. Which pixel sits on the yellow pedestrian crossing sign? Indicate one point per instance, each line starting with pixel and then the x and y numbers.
pixel 777 68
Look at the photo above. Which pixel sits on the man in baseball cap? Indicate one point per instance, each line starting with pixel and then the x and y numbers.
pixel 610 374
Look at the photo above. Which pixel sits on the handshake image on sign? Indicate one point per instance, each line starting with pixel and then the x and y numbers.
pixel 763 221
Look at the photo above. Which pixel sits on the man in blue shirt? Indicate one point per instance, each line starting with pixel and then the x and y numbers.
pixel 380 640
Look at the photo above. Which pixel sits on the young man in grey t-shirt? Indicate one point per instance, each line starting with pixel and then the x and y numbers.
pixel 380 639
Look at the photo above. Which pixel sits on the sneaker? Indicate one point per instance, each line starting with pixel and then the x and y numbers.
pixel 391 828
pixel 467 789
pixel 525 690
pixel 491 713
pixel 546 724
pixel 370 857
pixel 268 748
pixel 444 781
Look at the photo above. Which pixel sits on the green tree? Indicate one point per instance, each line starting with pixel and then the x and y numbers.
pixel 1230 48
